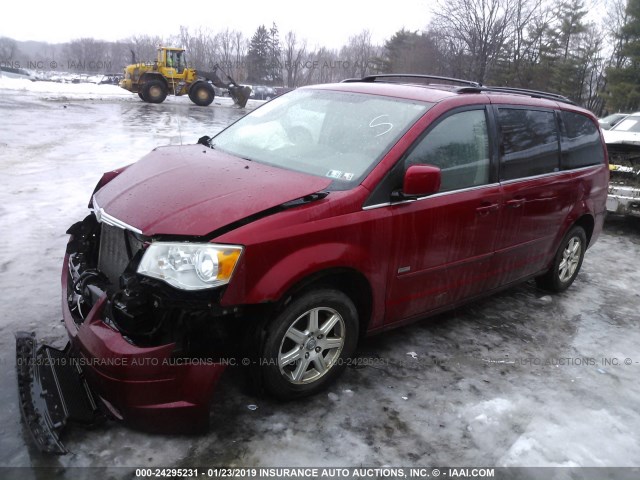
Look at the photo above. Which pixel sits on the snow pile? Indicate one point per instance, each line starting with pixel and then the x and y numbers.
pixel 63 91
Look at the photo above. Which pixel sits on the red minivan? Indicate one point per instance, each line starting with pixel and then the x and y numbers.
pixel 329 213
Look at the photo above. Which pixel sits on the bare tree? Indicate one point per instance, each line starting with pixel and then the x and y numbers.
pixel 240 46
pixel 360 55
pixel 294 54
pixel 87 55
pixel 480 26
pixel 8 49
pixel 145 47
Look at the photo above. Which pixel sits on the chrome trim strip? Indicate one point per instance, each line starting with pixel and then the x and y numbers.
pixel 104 217
pixel 439 194
pixel 552 174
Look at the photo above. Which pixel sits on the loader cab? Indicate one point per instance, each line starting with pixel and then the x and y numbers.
pixel 172 58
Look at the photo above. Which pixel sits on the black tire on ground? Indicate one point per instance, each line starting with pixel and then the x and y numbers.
pixel 202 94
pixel 154 91
pixel 566 263
pixel 141 96
pixel 307 345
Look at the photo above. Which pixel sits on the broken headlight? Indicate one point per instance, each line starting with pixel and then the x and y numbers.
pixel 190 266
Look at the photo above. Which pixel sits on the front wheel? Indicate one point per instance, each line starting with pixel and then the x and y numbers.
pixel 307 345
pixel 154 91
pixel 566 263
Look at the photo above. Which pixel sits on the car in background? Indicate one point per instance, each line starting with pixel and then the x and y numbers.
pixel 611 121
pixel 20 73
pixel 262 92
pixel 623 144
pixel 282 90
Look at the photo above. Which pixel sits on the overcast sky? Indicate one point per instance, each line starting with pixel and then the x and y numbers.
pixel 323 23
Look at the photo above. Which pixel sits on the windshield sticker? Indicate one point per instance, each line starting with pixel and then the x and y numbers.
pixel 337 174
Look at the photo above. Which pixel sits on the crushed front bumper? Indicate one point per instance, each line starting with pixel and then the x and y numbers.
pixel 624 200
pixel 53 392
pixel 147 387
pixel 101 375
pixel 624 182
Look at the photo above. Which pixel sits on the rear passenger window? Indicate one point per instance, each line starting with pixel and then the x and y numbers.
pixel 581 146
pixel 459 146
pixel 529 143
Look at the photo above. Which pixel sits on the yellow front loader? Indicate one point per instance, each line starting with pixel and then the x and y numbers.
pixel 169 74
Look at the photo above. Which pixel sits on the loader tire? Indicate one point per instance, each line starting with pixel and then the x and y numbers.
pixel 202 94
pixel 154 91
pixel 141 96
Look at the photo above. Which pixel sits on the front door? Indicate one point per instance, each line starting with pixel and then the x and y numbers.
pixel 443 244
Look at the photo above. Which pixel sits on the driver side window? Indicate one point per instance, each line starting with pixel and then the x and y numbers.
pixel 459 146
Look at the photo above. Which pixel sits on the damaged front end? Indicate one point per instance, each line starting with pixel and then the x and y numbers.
pixel 53 392
pixel 140 350
pixel 624 182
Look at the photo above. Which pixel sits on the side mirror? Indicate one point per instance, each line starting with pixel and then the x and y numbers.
pixel 421 180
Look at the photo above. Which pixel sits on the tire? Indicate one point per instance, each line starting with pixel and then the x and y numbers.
pixel 202 94
pixel 306 346
pixel 141 96
pixel 154 91
pixel 566 263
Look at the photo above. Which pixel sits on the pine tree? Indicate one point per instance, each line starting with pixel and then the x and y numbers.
pixel 258 57
pixel 274 65
pixel 624 81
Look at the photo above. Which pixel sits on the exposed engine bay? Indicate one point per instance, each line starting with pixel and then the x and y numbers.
pixel 102 262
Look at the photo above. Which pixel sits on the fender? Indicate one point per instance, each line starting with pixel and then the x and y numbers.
pixel 292 269
pixel 581 211
pixel 152 76
pixel 106 178
pixel 302 263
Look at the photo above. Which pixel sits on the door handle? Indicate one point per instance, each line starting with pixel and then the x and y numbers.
pixel 515 203
pixel 486 209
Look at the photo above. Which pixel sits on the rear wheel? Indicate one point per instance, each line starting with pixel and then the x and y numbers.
pixel 567 262
pixel 154 91
pixel 308 343
pixel 202 94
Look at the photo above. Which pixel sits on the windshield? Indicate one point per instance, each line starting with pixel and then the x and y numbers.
pixel 330 134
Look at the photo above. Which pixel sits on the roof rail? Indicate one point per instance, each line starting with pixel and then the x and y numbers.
pixel 520 91
pixel 373 78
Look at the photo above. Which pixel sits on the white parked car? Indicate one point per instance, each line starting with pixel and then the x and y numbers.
pixel 623 144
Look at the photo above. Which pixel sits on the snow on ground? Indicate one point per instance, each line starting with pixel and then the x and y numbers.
pixel 453 390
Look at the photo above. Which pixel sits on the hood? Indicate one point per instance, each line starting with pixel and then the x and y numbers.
pixel 194 190
pixel 621 136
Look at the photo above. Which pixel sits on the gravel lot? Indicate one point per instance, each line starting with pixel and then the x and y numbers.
pixel 519 379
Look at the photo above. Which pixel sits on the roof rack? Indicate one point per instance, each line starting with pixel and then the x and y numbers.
pixel 469 86
pixel 520 91
pixel 373 78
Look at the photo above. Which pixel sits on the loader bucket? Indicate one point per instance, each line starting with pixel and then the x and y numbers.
pixel 240 95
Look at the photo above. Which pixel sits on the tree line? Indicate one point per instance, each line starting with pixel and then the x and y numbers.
pixel 536 44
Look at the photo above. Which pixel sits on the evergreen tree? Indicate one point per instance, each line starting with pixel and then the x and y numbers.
pixel 274 65
pixel 624 81
pixel 410 52
pixel 258 56
pixel 264 57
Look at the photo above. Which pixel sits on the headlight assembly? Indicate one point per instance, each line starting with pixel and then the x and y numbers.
pixel 190 266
